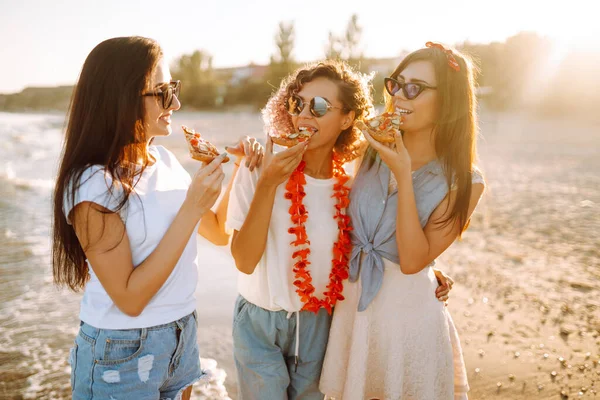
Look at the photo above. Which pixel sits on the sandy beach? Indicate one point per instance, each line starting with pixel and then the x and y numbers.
pixel 526 300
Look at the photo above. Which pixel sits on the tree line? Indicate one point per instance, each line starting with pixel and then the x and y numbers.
pixel 524 71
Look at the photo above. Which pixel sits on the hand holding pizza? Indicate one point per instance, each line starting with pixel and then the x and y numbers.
pixel 277 168
pixel 206 185
pixel 383 134
pixel 200 148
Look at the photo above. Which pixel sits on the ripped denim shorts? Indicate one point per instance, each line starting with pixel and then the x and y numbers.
pixel 159 362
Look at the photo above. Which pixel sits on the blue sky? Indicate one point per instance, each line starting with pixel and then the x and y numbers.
pixel 44 43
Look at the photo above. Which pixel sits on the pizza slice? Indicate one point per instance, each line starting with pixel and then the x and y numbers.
pixel 288 140
pixel 200 149
pixel 382 128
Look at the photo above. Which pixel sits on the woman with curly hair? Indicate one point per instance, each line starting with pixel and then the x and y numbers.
pixel 298 196
pixel 291 239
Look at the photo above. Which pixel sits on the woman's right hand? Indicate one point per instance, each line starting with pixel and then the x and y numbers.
pixel 277 168
pixel 248 148
pixel 206 186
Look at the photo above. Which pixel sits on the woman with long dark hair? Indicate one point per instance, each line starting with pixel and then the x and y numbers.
pixel 391 338
pixel 125 218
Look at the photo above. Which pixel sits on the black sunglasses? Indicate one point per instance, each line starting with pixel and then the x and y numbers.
pixel 167 92
pixel 318 106
pixel 409 89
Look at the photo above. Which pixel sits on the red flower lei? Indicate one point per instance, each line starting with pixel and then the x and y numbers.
pixel 341 248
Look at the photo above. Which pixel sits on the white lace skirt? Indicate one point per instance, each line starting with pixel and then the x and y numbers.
pixel 404 346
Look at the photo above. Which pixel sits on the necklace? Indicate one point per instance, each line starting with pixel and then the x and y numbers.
pixel 341 248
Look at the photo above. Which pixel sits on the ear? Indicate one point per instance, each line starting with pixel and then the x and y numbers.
pixel 348 120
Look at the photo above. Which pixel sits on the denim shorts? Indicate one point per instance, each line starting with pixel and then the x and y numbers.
pixel 155 363
pixel 265 348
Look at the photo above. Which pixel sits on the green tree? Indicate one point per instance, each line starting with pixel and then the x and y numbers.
pixel 333 50
pixel 352 52
pixel 282 62
pixel 511 68
pixel 347 46
pixel 199 89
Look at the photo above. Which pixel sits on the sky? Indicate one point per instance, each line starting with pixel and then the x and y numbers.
pixel 44 43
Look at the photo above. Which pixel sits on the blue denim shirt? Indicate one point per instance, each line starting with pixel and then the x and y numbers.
pixel 373 213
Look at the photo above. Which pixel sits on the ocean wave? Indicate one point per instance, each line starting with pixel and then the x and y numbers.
pixel 43 121
pixel 29 184
pixel 9 176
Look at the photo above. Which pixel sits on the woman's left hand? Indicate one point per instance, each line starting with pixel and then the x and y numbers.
pixel 395 156
pixel 249 148
pixel 445 285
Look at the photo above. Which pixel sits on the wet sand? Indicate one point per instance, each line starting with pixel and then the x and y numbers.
pixel 526 300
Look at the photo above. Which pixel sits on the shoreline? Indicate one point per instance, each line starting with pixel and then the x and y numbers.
pixel 527 272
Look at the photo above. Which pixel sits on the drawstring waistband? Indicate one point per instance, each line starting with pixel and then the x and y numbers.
pixel 297 353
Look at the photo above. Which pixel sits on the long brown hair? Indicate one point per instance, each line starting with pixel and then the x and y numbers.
pixel 354 94
pixel 455 130
pixel 106 128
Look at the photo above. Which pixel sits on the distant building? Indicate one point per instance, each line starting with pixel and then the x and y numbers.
pixel 238 75
pixel 383 66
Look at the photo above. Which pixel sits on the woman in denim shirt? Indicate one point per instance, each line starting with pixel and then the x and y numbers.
pixel 391 338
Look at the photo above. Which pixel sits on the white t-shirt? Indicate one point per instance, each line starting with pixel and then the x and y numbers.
pixel 271 286
pixel 149 212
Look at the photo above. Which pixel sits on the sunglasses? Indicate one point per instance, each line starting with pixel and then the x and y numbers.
pixel 167 91
pixel 410 90
pixel 318 106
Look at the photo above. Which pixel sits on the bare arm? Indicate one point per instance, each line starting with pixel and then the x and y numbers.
pixel 248 245
pixel 212 226
pixel 104 239
pixel 417 246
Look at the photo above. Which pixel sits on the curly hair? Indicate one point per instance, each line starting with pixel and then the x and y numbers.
pixel 354 93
